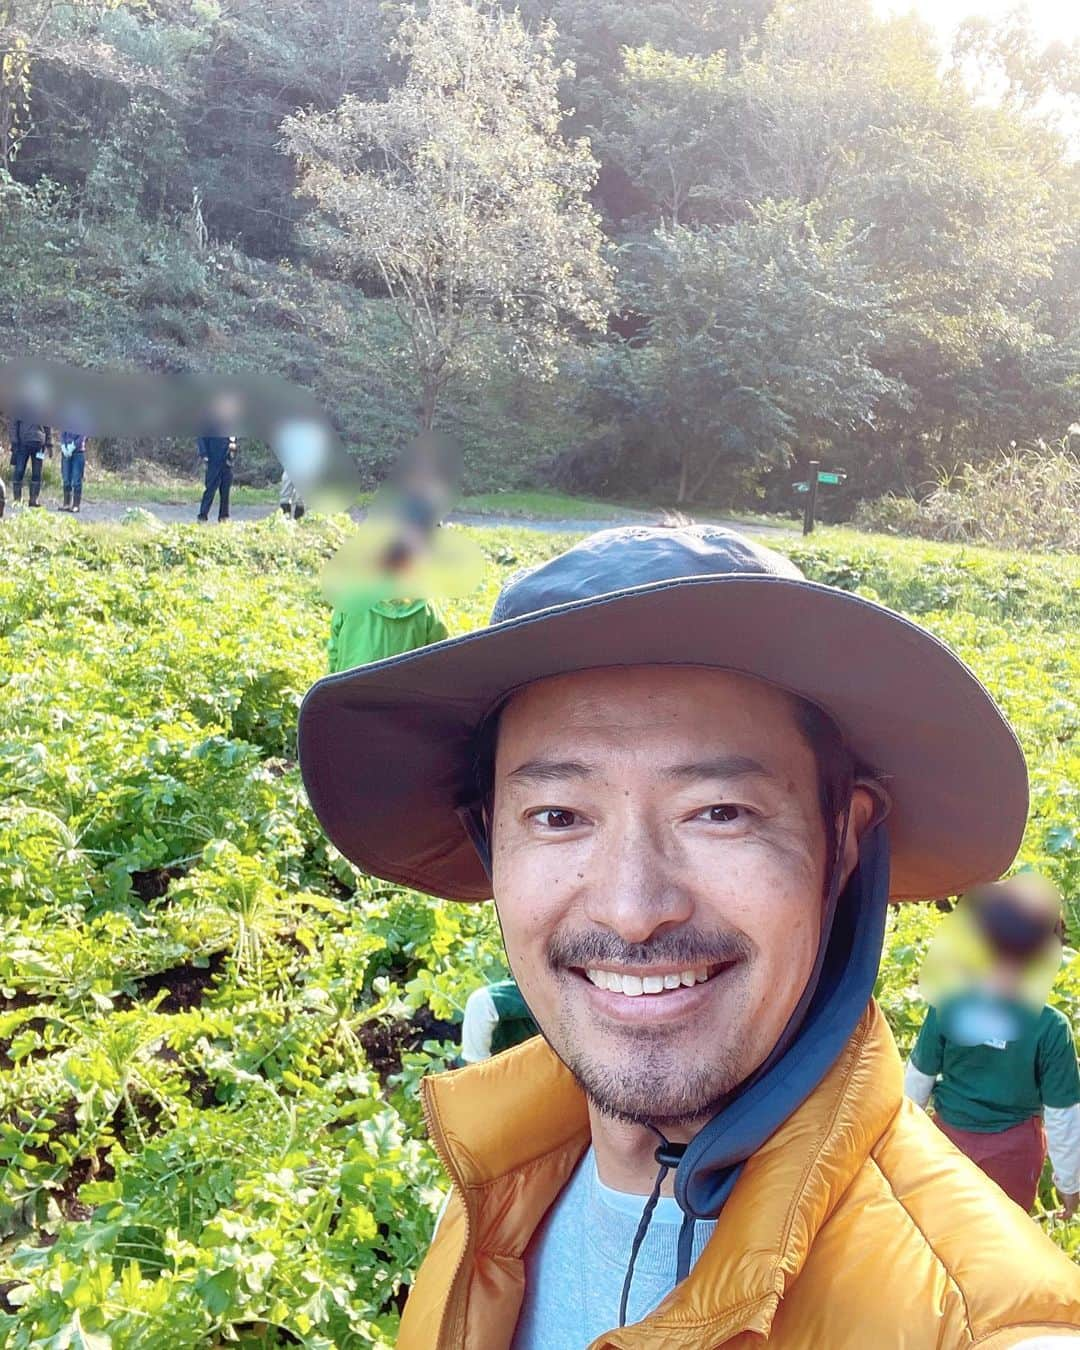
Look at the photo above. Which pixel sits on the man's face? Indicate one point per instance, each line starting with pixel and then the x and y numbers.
pixel 658 862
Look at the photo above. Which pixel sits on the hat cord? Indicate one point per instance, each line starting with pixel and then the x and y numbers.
pixel 667 1156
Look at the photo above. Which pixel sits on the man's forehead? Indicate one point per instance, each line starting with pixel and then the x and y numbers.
pixel 695 699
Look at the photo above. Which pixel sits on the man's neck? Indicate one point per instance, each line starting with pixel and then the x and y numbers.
pixel 625 1153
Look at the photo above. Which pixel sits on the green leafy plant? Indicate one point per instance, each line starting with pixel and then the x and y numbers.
pixel 212 1027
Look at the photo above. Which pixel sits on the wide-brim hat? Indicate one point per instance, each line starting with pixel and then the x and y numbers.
pixel 387 750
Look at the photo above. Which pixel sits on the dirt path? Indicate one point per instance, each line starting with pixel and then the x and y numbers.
pixel 180 512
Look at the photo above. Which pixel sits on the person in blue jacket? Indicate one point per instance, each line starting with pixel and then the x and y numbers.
pixel 219 452
pixel 72 469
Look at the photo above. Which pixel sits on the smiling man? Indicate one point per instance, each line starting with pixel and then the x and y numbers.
pixel 692 781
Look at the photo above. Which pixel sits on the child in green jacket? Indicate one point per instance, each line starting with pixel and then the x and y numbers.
pixel 366 628
pixel 369 585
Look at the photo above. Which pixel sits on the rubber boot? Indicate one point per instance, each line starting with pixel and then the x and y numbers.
pixel 299 510
pixel 67 501
pixel 35 493
pixel 76 501
pixel 285 508
pixel 16 489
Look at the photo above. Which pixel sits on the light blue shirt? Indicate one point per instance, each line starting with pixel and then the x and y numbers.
pixel 576 1262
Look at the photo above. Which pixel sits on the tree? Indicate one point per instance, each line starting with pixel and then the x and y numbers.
pixel 459 193
pixel 1007 56
pixel 662 130
pixel 757 349
pixel 962 212
pixel 67 35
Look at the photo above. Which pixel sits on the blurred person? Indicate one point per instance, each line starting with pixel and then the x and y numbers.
pixel 496 1017
pixel 374 583
pixel 72 469
pixel 219 451
pixel 373 620
pixel 30 443
pixel 289 498
pixel 998 1063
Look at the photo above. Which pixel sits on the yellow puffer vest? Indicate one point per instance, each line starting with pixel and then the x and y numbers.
pixel 856 1226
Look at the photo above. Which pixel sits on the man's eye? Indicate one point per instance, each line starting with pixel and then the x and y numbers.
pixel 722 812
pixel 555 818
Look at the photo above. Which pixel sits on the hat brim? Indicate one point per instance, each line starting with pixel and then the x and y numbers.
pixel 385 749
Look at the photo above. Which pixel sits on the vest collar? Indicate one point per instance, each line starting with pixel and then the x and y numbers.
pixel 493 1122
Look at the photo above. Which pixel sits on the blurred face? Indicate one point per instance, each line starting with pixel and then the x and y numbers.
pixel 1032 901
pixel 659 867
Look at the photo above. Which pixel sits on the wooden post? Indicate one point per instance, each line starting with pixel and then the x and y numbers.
pixel 811 498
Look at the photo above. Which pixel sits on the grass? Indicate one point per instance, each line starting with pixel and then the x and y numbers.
pixel 106 486
pixel 147 484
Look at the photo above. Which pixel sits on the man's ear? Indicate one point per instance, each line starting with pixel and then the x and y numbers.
pixel 870 804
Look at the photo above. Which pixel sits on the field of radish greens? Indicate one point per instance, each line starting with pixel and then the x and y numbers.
pixel 211 1027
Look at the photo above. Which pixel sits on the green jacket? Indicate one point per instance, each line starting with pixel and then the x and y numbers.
pixel 360 634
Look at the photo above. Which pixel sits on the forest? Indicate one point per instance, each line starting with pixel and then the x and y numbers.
pixel 658 251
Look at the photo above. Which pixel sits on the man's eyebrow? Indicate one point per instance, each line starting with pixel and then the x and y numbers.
pixel 718 766
pixel 549 771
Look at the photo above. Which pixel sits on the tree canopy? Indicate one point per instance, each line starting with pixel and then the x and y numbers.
pixel 794 199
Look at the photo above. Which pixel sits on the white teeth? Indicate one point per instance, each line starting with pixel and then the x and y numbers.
pixel 635 985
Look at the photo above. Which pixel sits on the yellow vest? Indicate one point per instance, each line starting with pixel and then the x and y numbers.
pixel 856 1226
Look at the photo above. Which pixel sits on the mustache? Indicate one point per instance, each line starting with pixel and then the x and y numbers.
pixel 684 947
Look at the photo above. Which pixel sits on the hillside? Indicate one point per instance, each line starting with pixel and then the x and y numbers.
pixel 135 297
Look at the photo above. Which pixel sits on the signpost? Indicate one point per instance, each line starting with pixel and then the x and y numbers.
pixel 811 498
pixel 817 475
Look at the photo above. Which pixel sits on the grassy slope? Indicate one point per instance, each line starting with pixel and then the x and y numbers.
pixel 130 297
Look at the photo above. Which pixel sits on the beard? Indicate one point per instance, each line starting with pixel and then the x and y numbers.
pixel 650 1086
pixel 654 1075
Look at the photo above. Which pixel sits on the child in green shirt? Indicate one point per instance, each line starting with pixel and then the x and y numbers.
pixel 1002 1070
pixel 496 1018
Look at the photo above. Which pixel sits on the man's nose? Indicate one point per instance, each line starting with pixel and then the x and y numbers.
pixel 636 888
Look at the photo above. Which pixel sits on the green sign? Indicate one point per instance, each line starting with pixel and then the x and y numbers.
pixel 829 477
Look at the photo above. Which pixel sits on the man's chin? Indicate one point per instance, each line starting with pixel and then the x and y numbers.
pixel 646 1092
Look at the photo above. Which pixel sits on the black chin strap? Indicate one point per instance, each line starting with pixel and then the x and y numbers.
pixel 471 816
pixel 667 1157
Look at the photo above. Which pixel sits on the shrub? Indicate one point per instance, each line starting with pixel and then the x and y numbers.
pixel 1025 499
